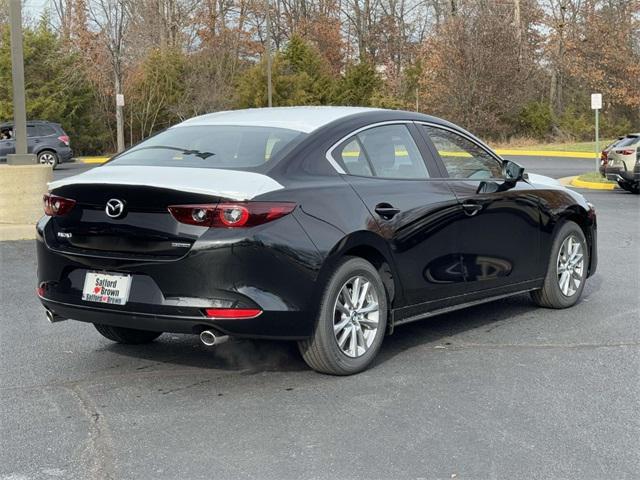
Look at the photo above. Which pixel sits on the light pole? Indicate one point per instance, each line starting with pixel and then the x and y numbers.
pixel 268 49
pixel 20 157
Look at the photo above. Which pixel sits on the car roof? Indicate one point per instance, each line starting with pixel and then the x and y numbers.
pixel 29 122
pixel 302 119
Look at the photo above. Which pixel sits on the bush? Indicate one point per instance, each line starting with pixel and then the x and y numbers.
pixel 535 119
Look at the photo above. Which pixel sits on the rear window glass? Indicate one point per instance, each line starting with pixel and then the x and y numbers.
pixel 628 141
pixel 212 146
pixel 46 130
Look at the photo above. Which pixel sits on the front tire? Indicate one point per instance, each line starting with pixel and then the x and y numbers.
pixel 128 336
pixel 351 322
pixel 567 269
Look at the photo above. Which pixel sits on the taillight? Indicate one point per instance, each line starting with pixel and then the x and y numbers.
pixel 232 313
pixel 56 206
pixel 625 152
pixel 231 215
pixel 603 157
pixel 64 139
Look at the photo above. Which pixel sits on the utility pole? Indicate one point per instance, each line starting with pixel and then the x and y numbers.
pixel 268 51
pixel 17 75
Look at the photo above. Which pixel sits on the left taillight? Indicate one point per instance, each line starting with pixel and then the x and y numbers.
pixel 56 206
pixel 64 139
pixel 231 215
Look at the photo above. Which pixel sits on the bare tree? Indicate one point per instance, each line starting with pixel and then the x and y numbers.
pixel 112 19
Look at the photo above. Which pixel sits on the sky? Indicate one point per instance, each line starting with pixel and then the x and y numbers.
pixel 31 9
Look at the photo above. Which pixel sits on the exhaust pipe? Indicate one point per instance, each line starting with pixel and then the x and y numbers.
pixel 51 317
pixel 210 339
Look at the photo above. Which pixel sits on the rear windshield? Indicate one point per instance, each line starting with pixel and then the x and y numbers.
pixel 212 146
pixel 628 141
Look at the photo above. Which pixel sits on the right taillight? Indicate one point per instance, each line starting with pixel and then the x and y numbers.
pixel 57 206
pixel 231 215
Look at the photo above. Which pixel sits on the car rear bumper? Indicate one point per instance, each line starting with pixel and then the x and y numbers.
pixel 621 175
pixel 65 155
pixel 171 296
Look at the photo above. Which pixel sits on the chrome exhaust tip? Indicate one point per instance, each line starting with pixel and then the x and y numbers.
pixel 210 339
pixel 50 315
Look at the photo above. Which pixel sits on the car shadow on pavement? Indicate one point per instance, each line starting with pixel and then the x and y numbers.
pixel 441 330
pixel 254 356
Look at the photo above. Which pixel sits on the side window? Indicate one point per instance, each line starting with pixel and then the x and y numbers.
pixel 32 131
pixel 461 157
pixel 387 152
pixel 353 158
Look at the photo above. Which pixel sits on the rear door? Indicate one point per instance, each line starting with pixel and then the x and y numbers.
pixel 499 233
pixel 33 137
pixel 385 166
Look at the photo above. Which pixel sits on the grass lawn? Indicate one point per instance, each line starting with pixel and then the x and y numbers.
pixel 593 177
pixel 527 144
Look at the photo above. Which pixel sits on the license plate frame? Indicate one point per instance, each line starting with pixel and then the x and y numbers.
pixel 111 288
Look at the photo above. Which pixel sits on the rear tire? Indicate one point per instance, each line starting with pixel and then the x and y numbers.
pixel 128 336
pixel 567 269
pixel 630 187
pixel 48 157
pixel 348 333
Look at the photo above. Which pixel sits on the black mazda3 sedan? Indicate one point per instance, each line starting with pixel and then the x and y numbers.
pixel 324 225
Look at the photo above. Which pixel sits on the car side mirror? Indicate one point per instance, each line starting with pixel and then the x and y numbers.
pixel 512 172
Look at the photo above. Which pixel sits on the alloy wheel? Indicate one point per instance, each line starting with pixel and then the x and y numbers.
pixel 570 266
pixel 356 316
pixel 47 158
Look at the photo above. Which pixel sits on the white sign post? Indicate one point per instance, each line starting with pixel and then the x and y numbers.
pixel 596 104
pixel 119 100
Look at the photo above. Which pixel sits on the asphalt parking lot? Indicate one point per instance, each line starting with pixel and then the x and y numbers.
pixel 500 391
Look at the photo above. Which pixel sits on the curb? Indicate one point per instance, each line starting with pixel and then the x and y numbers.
pixel 17 232
pixel 92 160
pixel 544 153
pixel 592 185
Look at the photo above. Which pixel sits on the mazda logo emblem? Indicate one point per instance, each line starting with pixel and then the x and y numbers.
pixel 114 208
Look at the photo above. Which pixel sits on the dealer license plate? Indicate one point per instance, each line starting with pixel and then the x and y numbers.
pixel 103 287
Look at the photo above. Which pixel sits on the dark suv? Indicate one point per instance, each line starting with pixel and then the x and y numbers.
pixel 45 139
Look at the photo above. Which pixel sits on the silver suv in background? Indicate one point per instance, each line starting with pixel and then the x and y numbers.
pixel 47 140
pixel 623 163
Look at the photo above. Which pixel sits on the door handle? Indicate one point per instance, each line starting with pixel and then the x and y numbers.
pixel 386 210
pixel 471 208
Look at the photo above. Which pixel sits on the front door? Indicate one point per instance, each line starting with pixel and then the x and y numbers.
pixel 412 212
pixel 499 234
pixel 7 142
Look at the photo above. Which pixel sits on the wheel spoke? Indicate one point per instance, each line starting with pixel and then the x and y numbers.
pixel 355 292
pixel 346 333
pixel 576 259
pixel 353 346
pixel 342 308
pixel 372 307
pixel 363 294
pixel 347 297
pixel 361 340
pixel 369 323
pixel 564 283
pixel 338 327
